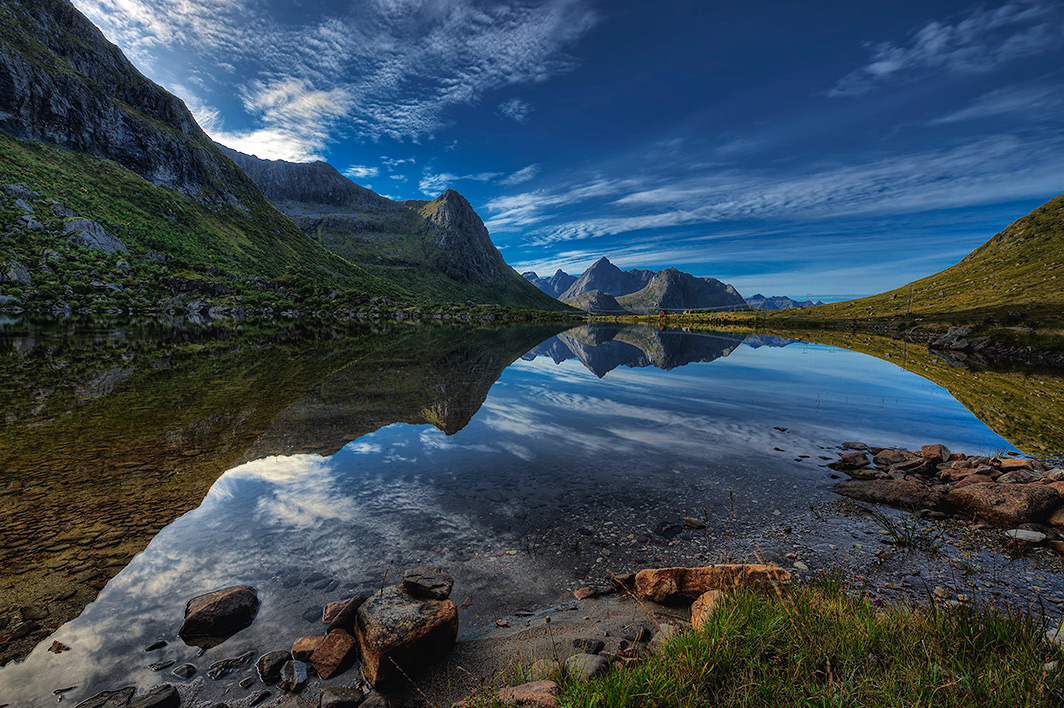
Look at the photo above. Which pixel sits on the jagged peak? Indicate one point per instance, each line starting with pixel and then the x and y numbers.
pixel 561 272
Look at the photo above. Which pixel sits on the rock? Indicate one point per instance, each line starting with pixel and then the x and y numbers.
pixel 1005 505
pixel 269 666
pixel 935 453
pixel 664 583
pixel 887 458
pixel 88 233
pixel 1026 536
pixel 1014 463
pixel 165 696
pixel 341 697
pixel 304 647
pixel 185 671
pixel 58 647
pixel 109 699
pixel 1020 476
pixel 690 522
pixel 334 655
pixel 1056 519
pixel 799 565
pixel 395 627
pixel 703 607
pixel 1054 635
pixel 586 666
pixel 589 645
pixel 293 676
pixel 347 616
pixel 903 493
pixel 16 274
pixel 973 479
pixel 850 461
pixel 584 592
pixel 257 699
pixel 854 446
pixel 1059 486
pixel 428 582
pixel 1055 475
pixel 667 632
pixel 221 613
pixel 329 614
pixel 1057 546
pixel 156 645
pixel 221 669
pixel 537 694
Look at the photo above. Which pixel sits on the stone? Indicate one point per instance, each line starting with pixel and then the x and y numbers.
pixel 334 654
pixel 1014 463
pixel 58 647
pixel 703 607
pixel 586 666
pixel 663 635
pixel 1053 635
pixel 221 669
pixel 221 613
pixel 1057 546
pixel 1005 505
pixel 304 647
pixel 341 697
pixel 257 699
pixel 690 522
pixel 850 461
pixel 1056 519
pixel 902 493
pixel 973 479
pixel 16 274
pixel 156 645
pixel 269 666
pixel 165 696
pixel 395 628
pixel 428 582
pixel 658 584
pixel 293 676
pixel 1020 476
pixel 935 453
pixel 347 616
pixel 1026 536
pixel 589 645
pixel 584 592
pixel 88 233
pixel 887 458
pixel 854 446
pixel 109 699
pixel 185 671
pixel 536 694
pixel 1055 475
pixel 329 614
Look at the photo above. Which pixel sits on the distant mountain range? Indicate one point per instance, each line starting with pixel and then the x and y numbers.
pixel 606 289
pixel 113 199
pixel 777 302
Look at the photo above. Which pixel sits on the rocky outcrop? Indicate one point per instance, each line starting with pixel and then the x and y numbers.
pixel 671 291
pixel 662 584
pixel 220 613
pixel 86 232
pixel 596 302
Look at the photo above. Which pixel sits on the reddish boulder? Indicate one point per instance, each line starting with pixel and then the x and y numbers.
pixel 660 584
pixel 901 493
pixel 1014 463
pixel 1005 505
pixel 973 479
pixel 703 607
pixel 537 694
pixel 935 453
pixel 334 654
pixel 304 647
pixel 1056 519
pixel 887 458
pixel 397 629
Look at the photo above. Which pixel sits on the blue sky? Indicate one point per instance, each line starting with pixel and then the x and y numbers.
pixel 820 148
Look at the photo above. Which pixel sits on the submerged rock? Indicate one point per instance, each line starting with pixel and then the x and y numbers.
pixel 269 666
pixel 165 696
pixel 221 613
pixel 109 699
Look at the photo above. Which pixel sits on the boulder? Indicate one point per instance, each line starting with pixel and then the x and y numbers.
pixel 428 582
pixel 901 493
pixel 586 666
pixel 15 273
pixel 220 613
pixel 1056 519
pixel 1014 463
pixel 269 666
pixel 329 614
pixel 395 628
pixel 293 676
pixel 109 699
pixel 537 694
pixel 304 647
pixel 703 607
pixel 850 461
pixel 660 584
pixel 935 453
pixel 973 479
pixel 1026 535
pixel 346 617
pixel 88 233
pixel 334 654
pixel 1020 476
pixel 1005 505
pixel 165 696
pixel 346 697
pixel 887 458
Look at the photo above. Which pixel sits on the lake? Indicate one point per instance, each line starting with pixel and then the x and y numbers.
pixel 144 463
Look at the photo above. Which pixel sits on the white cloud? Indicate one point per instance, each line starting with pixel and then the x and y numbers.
pixel 515 109
pixel 522 175
pixel 361 172
pixel 435 183
pixel 981 40
pixel 1034 101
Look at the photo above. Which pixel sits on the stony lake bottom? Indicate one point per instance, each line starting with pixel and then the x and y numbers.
pixel 143 463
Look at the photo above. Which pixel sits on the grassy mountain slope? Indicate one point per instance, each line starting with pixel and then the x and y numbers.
pixel 596 302
pixel 1017 277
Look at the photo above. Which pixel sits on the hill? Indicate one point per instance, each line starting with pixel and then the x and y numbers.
pixel 438 249
pixel 1015 278
pixel 596 302
pixel 672 290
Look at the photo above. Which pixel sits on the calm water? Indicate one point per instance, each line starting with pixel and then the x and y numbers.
pixel 150 465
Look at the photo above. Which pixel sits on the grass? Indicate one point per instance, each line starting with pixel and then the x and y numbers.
pixel 906 532
pixel 816 645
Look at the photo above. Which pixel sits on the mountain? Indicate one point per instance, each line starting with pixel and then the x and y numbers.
pixel 604 276
pixel 1015 278
pixel 777 302
pixel 597 302
pixel 555 285
pixel 672 290
pixel 438 249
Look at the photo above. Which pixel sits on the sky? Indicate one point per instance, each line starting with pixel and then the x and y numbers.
pixel 825 149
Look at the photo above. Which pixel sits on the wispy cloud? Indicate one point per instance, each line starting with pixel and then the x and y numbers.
pixel 515 109
pixel 523 175
pixel 361 172
pixel 977 42
pixel 391 69
pixel 1036 102
pixel 434 183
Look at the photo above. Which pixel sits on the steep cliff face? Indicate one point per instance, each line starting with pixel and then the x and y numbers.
pixel 439 249
pixel 63 83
